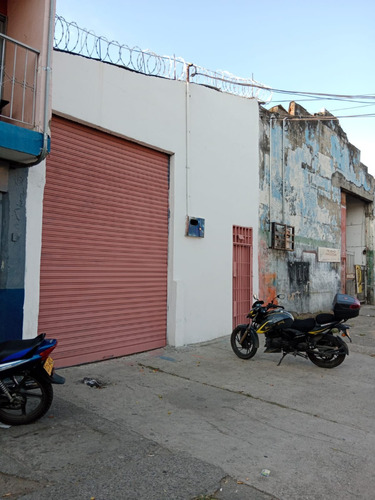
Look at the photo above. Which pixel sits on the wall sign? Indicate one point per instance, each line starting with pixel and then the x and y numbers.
pixel 329 254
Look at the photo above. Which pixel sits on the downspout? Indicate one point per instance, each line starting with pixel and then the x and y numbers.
pixel 283 172
pixel 187 139
pixel 270 172
pixel 48 69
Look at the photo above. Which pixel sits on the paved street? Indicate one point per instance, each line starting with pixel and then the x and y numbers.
pixel 197 422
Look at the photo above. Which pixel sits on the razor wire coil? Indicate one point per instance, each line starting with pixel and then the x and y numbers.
pixel 69 37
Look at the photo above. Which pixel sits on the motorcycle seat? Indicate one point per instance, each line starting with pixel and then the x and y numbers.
pixel 303 325
pixel 324 318
pixel 25 348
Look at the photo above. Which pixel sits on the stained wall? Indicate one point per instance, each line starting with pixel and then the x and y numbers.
pixel 306 165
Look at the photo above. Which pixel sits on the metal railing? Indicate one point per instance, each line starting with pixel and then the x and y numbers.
pixel 18 81
pixel 69 37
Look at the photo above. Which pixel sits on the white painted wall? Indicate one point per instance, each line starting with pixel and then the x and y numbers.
pixel 213 141
pixel 34 212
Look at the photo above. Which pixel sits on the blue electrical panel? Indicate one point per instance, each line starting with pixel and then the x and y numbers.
pixel 195 227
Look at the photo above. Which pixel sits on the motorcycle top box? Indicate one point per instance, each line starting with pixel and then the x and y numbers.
pixel 345 306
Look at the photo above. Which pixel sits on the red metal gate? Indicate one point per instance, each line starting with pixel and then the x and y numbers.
pixel 343 243
pixel 242 273
pixel 103 288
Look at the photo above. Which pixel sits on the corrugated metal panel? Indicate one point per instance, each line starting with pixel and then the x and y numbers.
pixel 103 286
pixel 242 273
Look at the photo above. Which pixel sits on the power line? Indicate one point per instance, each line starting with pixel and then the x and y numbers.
pixel 317 94
pixel 318 117
pixel 320 96
pixel 353 107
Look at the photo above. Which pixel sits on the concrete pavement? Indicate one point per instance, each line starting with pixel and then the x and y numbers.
pixel 363 330
pixel 198 422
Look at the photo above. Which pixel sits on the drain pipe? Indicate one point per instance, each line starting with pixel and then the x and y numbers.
pixel 283 171
pixel 187 145
pixel 272 117
pixel 48 69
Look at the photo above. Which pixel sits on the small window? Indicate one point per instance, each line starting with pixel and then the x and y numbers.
pixel 282 237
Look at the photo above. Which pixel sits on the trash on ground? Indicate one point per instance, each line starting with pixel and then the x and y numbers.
pixel 91 382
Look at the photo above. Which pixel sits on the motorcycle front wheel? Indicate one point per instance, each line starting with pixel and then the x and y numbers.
pixel 246 348
pixel 32 396
pixel 328 353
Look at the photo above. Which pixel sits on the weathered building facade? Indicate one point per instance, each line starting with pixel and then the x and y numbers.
pixel 316 211
pixel 26 40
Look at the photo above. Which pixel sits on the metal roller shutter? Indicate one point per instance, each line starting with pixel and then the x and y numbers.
pixel 103 287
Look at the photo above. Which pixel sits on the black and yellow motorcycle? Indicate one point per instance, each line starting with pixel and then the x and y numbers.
pixel 317 338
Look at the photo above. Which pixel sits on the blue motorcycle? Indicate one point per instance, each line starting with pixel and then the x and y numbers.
pixel 26 377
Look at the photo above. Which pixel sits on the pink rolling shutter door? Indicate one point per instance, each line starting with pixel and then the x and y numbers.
pixel 104 246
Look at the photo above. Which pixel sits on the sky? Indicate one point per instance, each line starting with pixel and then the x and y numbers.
pixel 325 47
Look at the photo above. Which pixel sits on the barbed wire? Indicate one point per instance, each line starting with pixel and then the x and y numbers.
pixel 69 37
pixel 226 82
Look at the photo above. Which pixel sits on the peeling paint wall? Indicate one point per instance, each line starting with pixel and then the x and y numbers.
pixel 306 162
pixel 12 252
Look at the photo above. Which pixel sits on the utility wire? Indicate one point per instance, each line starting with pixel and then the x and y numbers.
pixel 316 99
pixel 313 96
pixel 353 107
pixel 318 94
pixel 318 117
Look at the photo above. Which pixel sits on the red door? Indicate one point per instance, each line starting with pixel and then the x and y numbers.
pixel 103 287
pixel 242 273
pixel 343 242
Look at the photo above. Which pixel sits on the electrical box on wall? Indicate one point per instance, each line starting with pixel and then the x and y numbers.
pixel 194 227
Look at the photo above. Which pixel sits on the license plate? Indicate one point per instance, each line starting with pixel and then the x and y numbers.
pixel 48 365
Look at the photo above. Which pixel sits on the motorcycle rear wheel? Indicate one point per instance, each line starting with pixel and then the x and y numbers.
pixel 328 353
pixel 32 397
pixel 246 350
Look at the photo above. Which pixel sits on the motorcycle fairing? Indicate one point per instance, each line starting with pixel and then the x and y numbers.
pixel 314 326
pixel 9 365
pixel 17 349
pixel 276 319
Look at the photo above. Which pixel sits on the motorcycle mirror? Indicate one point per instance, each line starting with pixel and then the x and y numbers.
pixel 255 297
pixel 280 296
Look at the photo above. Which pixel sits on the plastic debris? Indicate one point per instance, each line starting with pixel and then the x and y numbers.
pixel 91 382
pixel 265 472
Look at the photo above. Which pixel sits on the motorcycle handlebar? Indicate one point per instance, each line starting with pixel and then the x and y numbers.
pixel 271 305
pixel 259 307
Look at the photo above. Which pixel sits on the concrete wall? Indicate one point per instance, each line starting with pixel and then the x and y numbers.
pixel 212 138
pixel 33 242
pixel 21 197
pixel 12 250
pixel 28 22
pixel 305 164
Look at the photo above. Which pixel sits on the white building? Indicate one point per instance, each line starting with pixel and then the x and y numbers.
pixel 98 271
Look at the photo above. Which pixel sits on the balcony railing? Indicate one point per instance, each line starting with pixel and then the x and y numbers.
pixel 18 80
